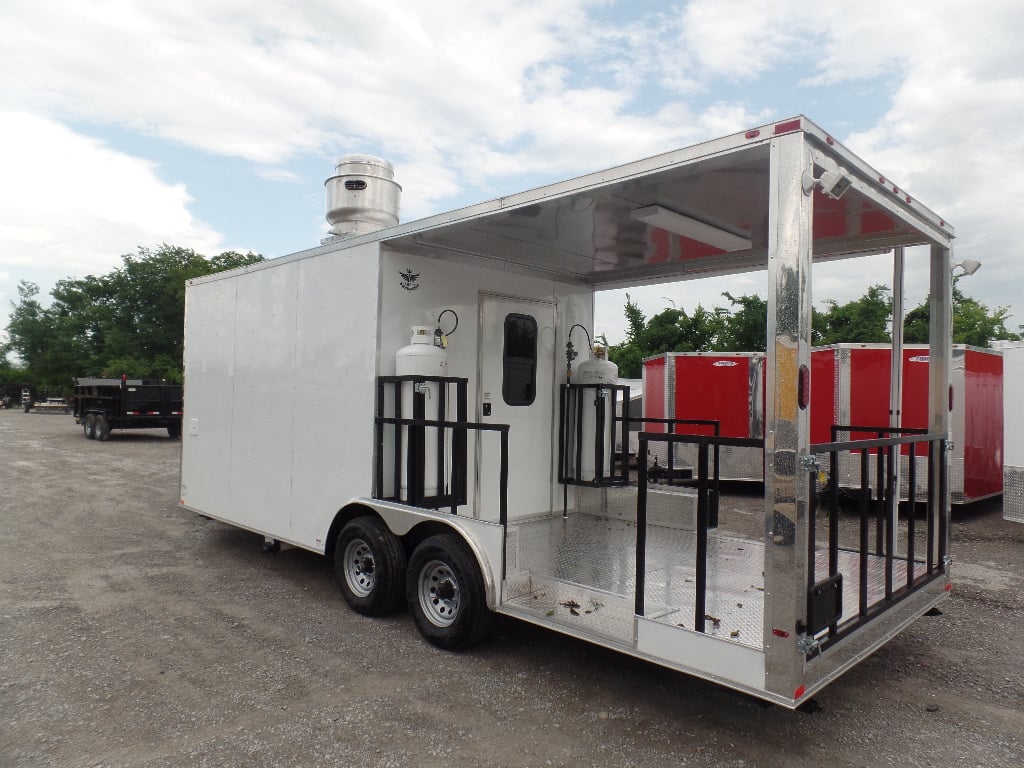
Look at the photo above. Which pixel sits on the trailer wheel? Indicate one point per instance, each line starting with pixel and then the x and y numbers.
pixel 369 564
pixel 445 592
pixel 89 426
pixel 174 429
pixel 102 427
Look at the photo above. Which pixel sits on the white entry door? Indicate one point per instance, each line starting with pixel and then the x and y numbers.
pixel 517 387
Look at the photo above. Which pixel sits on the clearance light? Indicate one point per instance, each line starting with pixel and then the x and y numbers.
pixel 949 586
pixel 800 691
pixel 681 224
pixel 780 632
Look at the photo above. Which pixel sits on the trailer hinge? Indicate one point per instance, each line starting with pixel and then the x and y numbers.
pixel 949 446
pixel 947 560
pixel 810 462
pixel 808 645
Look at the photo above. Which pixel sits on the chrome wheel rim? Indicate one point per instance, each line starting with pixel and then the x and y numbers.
pixel 359 568
pixel 439 593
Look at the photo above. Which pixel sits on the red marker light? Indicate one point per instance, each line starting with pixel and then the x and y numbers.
pixel 752 134
pixel 800 691
pixel 804 387
pixel 830 141
pixel 949 586
pixel 790 125
pixel 780 632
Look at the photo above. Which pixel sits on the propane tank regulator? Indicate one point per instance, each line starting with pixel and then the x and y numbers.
pixel 571 353
pixel 440 337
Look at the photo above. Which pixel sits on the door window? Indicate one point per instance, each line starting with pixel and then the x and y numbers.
pixel 519 360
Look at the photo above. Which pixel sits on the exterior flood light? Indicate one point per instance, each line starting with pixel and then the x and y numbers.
pixel 832 183
pixel 969 266
pixel 680 224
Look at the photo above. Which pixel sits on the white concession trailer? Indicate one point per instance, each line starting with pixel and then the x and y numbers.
pixel 1013 435
pixel 410 400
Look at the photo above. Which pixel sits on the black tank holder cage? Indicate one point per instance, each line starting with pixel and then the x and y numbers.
pixel 573 398
pixel 824 598
pixel 606 399
pixel 450 480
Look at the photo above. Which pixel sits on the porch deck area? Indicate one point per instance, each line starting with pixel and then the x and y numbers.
pixel 578 574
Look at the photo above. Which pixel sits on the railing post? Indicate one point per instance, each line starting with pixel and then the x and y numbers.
pixel 700 598
pixel 641 525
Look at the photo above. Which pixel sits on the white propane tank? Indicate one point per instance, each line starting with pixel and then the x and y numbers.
pixel 421 358
pixel 597 370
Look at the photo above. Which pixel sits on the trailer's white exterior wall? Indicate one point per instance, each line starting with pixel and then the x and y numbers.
pixel 280 434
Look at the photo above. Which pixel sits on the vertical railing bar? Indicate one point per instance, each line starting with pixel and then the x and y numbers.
pixel 641 526
pixel 892 507
pixel 442 397
pixel 943 510
pixel 624 434
pixel 833 517
pixel 599 419
pixel 563 417
pixel 578 443
pixel 879 498
pixel 812 514
pixel 700 598
pixel 911 511
pixel 716 485
pixel 378 438
pixel 398 443
pixel 930 519
pixel 865 497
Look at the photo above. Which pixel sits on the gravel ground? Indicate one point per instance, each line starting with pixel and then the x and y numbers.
pixel 137 634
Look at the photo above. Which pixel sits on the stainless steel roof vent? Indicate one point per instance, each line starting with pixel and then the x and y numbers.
pixel 362 196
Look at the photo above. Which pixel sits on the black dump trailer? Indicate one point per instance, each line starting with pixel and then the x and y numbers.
pixel 105 404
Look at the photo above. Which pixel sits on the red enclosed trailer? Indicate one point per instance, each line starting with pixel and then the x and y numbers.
pixel 726 387
pixel 856 379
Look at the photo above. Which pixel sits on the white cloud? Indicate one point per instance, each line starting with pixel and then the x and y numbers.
pixel 486 94
pixel 70 206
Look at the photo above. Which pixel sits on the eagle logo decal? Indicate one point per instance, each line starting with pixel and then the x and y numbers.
pixel 409 279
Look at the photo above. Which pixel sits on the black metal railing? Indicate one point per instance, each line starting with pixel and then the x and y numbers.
pixel 824 596
pixel 405 459
pixel 707 480
pixel 669 473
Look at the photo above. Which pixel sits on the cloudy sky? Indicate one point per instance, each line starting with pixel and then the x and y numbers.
pixel 213 123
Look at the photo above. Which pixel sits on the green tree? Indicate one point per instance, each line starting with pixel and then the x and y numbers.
pixel 745 328
pixel 671 330
pixel 863 320
pixel 130 320
pixel 973 322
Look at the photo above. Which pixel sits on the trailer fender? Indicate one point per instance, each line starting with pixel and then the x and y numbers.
pixel 412 525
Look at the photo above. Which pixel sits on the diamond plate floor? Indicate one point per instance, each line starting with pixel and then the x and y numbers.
pixel 579 574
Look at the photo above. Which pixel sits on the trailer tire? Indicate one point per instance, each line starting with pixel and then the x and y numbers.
pixel 445 593
pixel 102 427
pixel 369 564
pixel 174 430
pixel 89 426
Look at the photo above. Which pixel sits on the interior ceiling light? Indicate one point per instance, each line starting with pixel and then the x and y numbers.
pixel 686 226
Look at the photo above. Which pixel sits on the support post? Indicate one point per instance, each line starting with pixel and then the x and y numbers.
pixel 787 434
